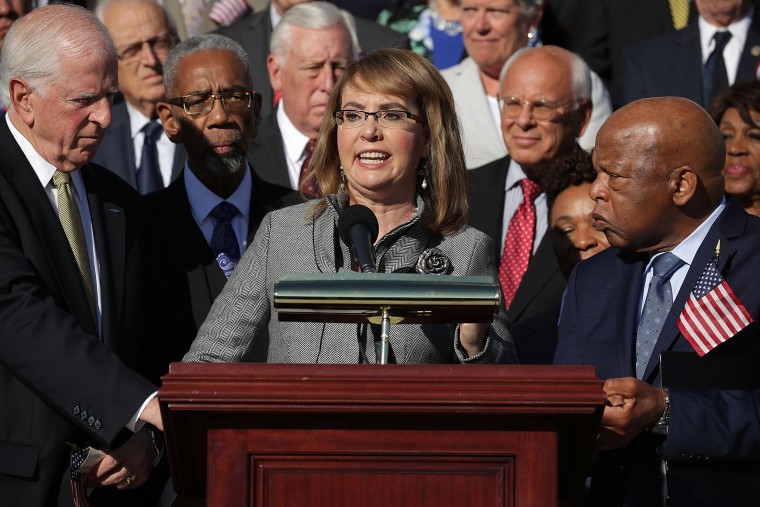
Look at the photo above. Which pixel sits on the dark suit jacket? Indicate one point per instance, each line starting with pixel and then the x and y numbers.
pixel 598 30
pixel 713 442
pixel 671 64
pixel 117 151
pixel 541 287
pixel 253 33
pixel 267 153
pixel 58 382
pixel 191 273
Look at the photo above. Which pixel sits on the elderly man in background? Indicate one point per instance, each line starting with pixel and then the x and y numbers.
pixel 493 30
pixel 254 33
pixel 545 106
pixel 669 315
pixel 135 146
pixel 206 218
pixel 75 301
pixel 311 47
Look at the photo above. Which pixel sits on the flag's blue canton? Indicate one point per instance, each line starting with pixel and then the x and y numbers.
pixel 708 281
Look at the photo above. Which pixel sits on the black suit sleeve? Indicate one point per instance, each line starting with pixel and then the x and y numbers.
pixel 43 347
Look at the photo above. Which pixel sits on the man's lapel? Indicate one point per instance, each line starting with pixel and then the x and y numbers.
pixel 728 225
pixel 59 255
pixel 109 231
pixel 628 308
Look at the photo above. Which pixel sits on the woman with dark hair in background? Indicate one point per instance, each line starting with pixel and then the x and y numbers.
pixel 736 111
pixel 567 186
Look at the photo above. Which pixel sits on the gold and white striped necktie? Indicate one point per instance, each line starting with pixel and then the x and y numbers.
pixel 679 10
pixel 71 220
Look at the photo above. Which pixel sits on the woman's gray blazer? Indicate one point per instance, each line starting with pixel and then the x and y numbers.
pixel 289 240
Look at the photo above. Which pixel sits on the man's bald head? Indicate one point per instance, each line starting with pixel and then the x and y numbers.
pixel 659 164
pixel 676 131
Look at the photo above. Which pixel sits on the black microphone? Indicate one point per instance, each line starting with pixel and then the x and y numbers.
pixel 357 227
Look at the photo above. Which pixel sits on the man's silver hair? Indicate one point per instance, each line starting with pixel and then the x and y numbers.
pixel 312 16
pixel 36 42
pixel 200 44
pixel 580 80
pixel 100 10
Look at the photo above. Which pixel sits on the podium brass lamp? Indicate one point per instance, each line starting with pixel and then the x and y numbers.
pixel 385 298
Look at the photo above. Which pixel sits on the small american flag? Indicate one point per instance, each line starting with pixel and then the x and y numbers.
pixel 713 313
pixel 82 460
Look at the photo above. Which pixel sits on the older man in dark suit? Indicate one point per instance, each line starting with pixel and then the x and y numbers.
pixel 205 219
pixel 74 283
pixel 254 31
pixel 719 48
pixel 134 146
pixel 545 107
pixel 311 47
pixel 680 359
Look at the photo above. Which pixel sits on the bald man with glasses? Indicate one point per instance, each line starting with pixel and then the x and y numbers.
pixel 544 104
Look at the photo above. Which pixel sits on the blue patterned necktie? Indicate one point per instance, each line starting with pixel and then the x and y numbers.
pixel 656 308
pixel 223 240
pixel 714 74
pixel 149 174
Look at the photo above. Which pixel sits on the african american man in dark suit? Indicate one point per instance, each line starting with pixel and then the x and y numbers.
pixel 186 221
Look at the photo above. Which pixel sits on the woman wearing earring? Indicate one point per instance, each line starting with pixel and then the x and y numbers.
pixel 390 141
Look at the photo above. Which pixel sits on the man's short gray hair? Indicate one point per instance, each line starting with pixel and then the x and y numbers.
pixel 200 44
pixel 312 16
pixel 580 79
pixel 36 42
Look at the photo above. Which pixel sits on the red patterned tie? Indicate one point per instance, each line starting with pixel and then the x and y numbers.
pixel 308 187
pixel 518 245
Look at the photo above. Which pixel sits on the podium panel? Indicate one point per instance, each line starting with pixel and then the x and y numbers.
pixel 401 435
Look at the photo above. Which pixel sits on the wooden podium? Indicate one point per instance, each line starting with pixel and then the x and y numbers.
pixel 380 436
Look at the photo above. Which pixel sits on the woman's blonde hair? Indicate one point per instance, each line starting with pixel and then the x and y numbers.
pixel 402 73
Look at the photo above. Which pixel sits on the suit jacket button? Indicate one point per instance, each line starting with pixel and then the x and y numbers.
pixel 76 409
pixel 83 415
pixel 91 420
pixel 97 425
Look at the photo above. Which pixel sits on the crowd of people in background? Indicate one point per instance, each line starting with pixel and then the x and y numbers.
pixel 164 162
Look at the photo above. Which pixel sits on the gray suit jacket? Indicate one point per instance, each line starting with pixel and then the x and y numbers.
pixel 288 241
pixel 482 141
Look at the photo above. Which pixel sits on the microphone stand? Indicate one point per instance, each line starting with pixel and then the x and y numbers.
pixel 381 347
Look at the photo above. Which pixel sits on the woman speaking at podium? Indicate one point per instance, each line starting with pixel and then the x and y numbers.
pixel 389 141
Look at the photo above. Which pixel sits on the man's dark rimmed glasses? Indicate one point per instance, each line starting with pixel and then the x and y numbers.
pixel 196 104
pixel 389 118
pixel 542 110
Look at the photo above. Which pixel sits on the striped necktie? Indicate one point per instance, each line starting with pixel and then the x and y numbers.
pixel 71 220
pixel 679 10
